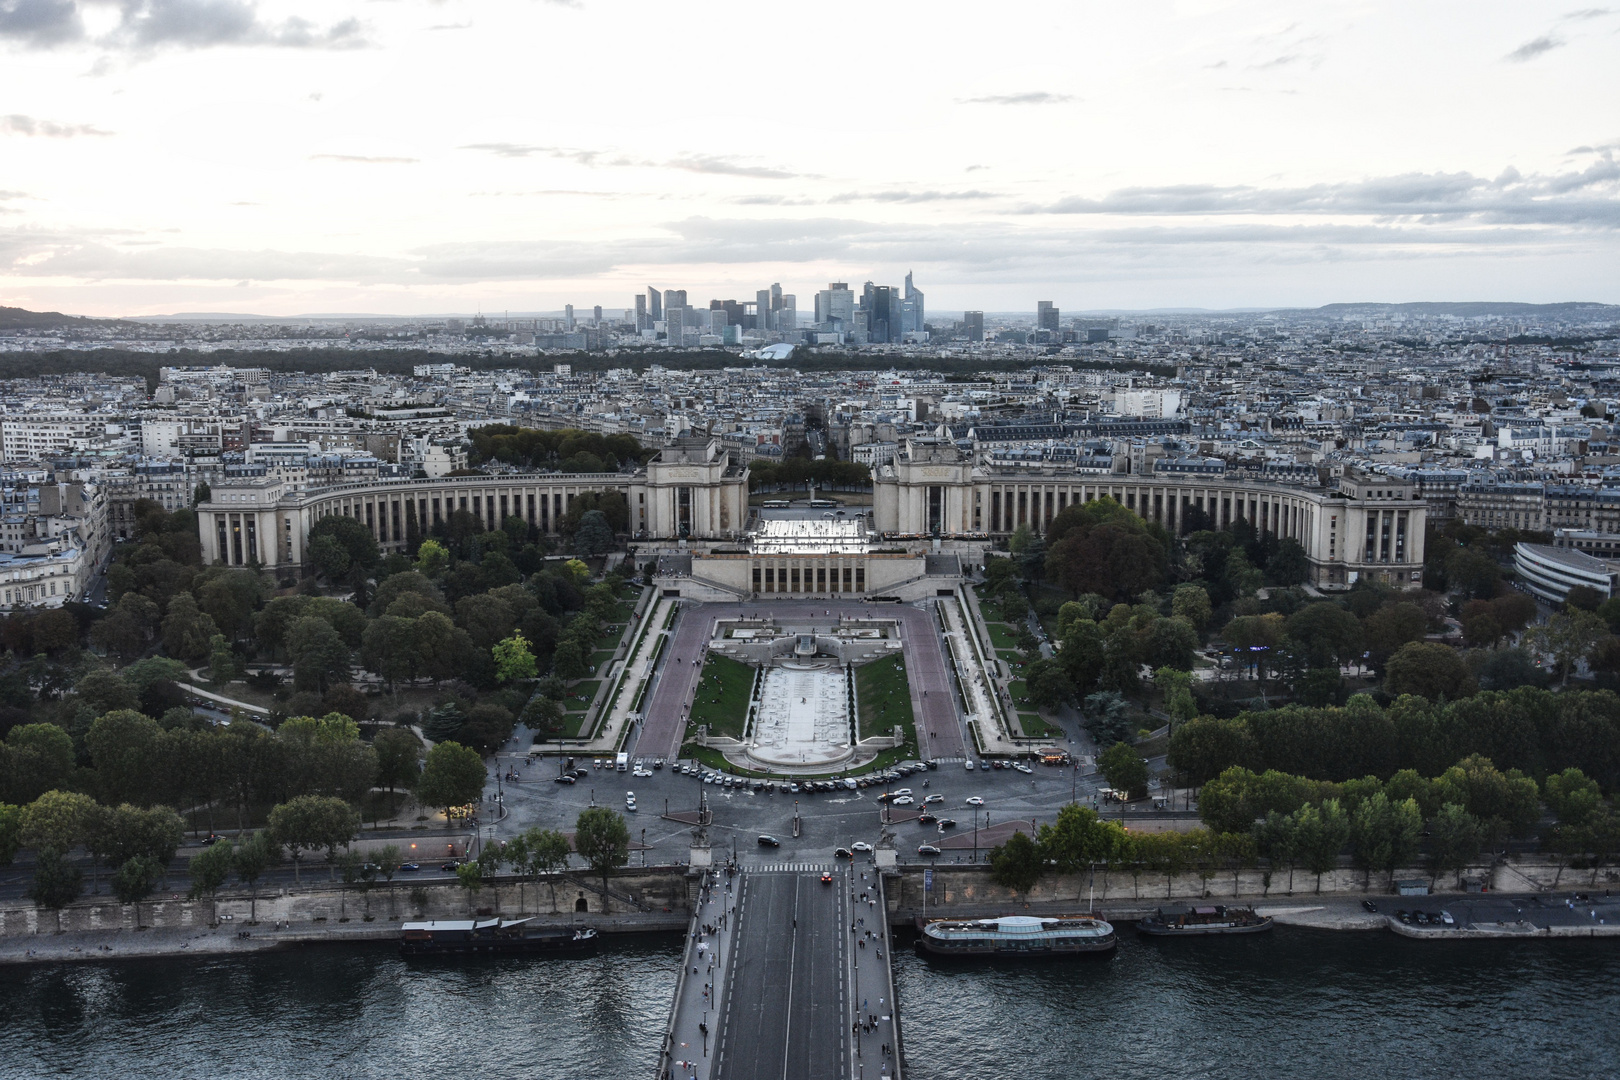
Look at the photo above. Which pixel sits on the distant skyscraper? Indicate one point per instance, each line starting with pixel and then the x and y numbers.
pixel 596 314
pixel 914 295
pixel 1046 316
pixel 973 322
pixel 787 314
pixel 882 314
pixel 641 307
pixel 655 304
pixel 673 298
pixel 762 310
pixel 675 326
pixel 836 303
pixel 568 316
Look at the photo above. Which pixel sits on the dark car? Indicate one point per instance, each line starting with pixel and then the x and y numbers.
pixel 769 841
pixel 1369 905
pixel 947 823
pixel 826 878
pixel 564 779
pixel 843 853
pixel 450 866
pixel 926 819
pixel 927 849
pixel 408 866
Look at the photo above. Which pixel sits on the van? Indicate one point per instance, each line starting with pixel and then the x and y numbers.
pixel 622 762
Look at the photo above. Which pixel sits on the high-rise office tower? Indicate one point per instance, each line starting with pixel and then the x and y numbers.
pixel 655 304
pixel 641 307
pixel 914 295
pixel 882 314
pixel 675 326
pixel 673 298
pixel 787 314
pixel 596 314
pixel 835 303
pixel 776 296
pixel 973 323
pixel 762 310
pixel 718 318
pixel 568 316
pixel 1046 316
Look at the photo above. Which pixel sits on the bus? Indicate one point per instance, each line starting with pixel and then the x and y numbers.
pixel 775 504
pixel 822 504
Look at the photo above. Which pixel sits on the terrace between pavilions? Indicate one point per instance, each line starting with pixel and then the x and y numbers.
pixel 827 537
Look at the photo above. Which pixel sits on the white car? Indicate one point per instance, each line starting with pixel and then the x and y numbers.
pixel 904 800
pixel 974 800
pixel 902 791
pixel 969 765
pixel 630 805
pixel 861 846
pixel 640 772
pixel 933 799
pixel 1021 767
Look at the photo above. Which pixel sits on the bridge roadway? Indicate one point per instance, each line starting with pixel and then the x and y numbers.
pixel 793 980
pixel 933 700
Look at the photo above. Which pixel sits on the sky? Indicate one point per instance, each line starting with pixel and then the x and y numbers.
pixel 412 157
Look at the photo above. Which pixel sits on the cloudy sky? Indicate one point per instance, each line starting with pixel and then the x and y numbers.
pixel 418 156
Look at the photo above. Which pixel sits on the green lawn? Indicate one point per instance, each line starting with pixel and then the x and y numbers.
pixel 1036 728
pixel 884 696
pixel 600 659
pixel 723 695
pixel 585 688
pixel 1002 636
pixel 1019 691
pixel 1014 658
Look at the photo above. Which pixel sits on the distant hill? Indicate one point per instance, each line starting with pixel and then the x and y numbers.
pixel 1472 309
pixel 16 318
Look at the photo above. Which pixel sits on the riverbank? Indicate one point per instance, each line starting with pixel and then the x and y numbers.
pixel 232 939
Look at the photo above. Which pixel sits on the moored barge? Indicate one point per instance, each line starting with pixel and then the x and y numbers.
pixel 1017 935
pixel 1183 921
pixel 493 937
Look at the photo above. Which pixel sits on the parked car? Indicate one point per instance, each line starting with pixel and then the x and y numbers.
pixel 769 841
pixel 1369 905
pixel 969 765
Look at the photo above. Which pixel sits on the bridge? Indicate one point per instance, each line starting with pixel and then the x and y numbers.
pixel 786 976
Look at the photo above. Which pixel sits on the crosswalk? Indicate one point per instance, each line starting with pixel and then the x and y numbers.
pixel 949 760
pixel 787 868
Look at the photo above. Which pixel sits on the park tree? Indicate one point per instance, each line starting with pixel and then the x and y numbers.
pixel 432 559
pixel 594 536
pixel 602 839
pixel 187 630
pixel 568 661
pixel 513 659
pixel 1455 837
pixel 134 880
pixel 1277 840
pixel 543 714
pixel 1573 796
pixel 1428 669
pixel 1320 832
pixel 10 832
pixel 258 853
pixel 57 819
pixel 1569 637
pixel 1259 636
pixel 1392 626
pixel 1327 634
pixel 1505 803
pixel 453 775
pixel 546 854
pixel 1017 864
pixel 1384 835
pixel 312 822
pixel 37 758
pixel 1176 688
pixel 57 882
pixel 1048 685
pixel 1124 769
pixel 1191 602
pixel 1079 838
pixel 399 758
pixel 210 869
pixel 319 655
pixel 350 536
pixel 1203 748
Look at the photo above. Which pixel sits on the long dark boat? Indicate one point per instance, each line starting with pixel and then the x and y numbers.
pixel 1016 935
pixel 1182 921
pixel 493 937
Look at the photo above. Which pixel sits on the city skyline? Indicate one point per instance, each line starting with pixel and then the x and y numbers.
pixel 419 157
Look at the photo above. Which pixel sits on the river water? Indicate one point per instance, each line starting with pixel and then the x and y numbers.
pixel 1289 1004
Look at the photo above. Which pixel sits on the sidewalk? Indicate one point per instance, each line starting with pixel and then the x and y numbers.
pixel 871 983
pixel 634 670
pixel 987 716
pixel 690 1050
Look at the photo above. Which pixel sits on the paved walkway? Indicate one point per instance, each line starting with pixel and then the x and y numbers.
pixel 694 1017
pixel 932 701
pixel 982 710
pixel 635 670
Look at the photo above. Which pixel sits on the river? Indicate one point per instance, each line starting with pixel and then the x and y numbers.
pixel 1289 1004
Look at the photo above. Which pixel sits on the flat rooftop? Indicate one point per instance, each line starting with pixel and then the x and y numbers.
pixel 828 536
